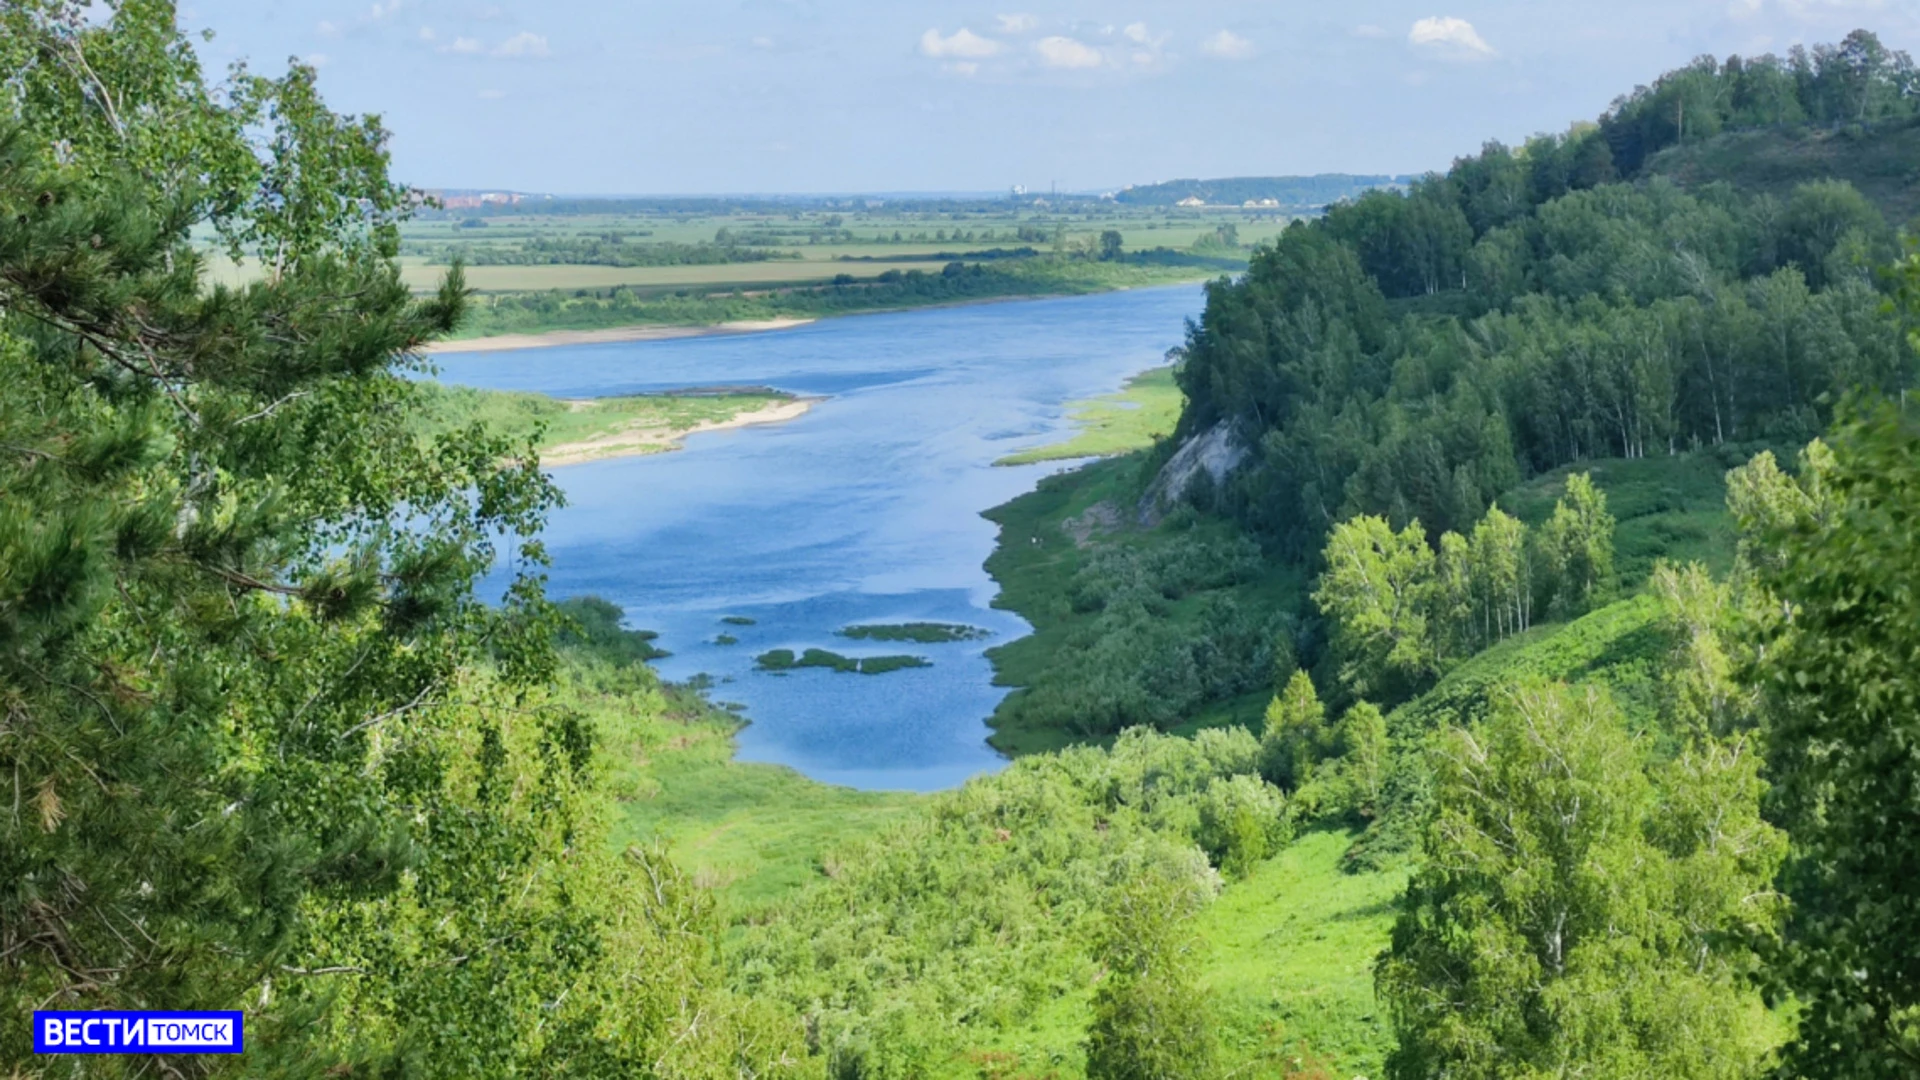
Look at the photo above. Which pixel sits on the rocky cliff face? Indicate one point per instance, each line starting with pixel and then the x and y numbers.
pixel 1216 451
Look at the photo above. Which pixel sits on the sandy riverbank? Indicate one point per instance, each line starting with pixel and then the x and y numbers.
pixel 550 338
pixel 652 440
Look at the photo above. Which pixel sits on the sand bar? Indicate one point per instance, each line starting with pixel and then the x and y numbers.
pixel 503 342
pixel 654 440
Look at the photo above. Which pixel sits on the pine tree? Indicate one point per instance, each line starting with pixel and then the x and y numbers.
pixel 1296 735
pixel 268 748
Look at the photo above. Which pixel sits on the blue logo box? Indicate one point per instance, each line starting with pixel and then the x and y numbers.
pixel 142 1032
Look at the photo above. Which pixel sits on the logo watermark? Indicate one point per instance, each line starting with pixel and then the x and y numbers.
pixel 141 1032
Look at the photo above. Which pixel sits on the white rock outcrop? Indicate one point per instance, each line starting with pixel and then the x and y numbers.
pixel 1217 451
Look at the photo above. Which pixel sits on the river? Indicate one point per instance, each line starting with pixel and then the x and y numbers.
pixel 865 510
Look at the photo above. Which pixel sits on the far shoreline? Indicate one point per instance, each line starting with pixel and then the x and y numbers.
pixel 637 332
pixel 665 332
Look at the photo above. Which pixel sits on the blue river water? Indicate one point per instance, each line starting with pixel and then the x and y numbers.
pixel 865 510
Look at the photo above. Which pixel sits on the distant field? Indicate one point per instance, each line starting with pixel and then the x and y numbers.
pixel 655 266
pixel 811 245
pixel 423 276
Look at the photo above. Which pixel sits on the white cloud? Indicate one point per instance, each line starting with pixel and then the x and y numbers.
pixel 963 43
pixel 1137 33
pixel 492 95
pixel 524 43
pixel 1065 52
pixel 1228 45
pixel 426 33
pixel 763 42
pixel 386 10
pixel 1016 24
pixel 317 60
pixel 328 29
pixel 464 46
pixel 1452 38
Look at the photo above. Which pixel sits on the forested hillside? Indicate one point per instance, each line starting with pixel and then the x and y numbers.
pixel 1477 432
pixel 1417 355
pixel 1582 728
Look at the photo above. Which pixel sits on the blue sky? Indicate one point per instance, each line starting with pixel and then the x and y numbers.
pixel 685 96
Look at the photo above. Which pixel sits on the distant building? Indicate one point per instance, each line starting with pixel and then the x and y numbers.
pixel 473 201
pixel 1191 201
pixel 1261 204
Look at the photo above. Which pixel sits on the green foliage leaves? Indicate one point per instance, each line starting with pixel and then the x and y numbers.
pixel 1376 591
pixel 1577 545
pixel 1576 912
pixel 964 921
pixel 1150 1021
pixel 270 749
pixel 1856 81
pixel 1402 613
pixel 1841 674
pixel 276 172
pixel 1131 664
pixel 1295 736
pixel 1413 355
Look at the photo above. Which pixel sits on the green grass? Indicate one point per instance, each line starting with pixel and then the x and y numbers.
pixel 1142 413
pixel 1619 645
pixel 1289 958
pixel 1286 959
pixel 753 833
pixel 1666 507
pixel 1882 162
pixel 1285 954
pixel 662 418
pixel 423 277
pixel 920 632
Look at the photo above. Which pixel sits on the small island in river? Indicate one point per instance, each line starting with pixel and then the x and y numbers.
pixel 594 429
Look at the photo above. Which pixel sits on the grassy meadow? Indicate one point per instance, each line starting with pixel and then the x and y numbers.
pixel 1878 161
pixel 1136 417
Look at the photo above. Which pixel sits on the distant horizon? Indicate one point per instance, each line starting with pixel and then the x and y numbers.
pixel 932 193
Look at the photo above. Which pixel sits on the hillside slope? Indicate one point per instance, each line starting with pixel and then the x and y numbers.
pixel 1883 162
